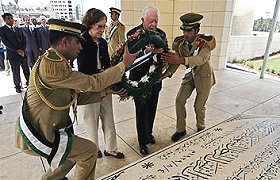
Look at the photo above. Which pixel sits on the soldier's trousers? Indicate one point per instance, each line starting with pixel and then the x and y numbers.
pixel 185 91
pixel 83 154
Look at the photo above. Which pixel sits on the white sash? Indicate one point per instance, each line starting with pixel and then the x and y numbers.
pixel 111 33
pixel 56 153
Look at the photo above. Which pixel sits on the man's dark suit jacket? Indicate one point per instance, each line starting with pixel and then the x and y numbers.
pixel 42 36
pixel 13 41
pixel 137 73
pixel 31 43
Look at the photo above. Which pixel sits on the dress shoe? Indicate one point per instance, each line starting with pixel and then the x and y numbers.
pixel 1 107
pixel 115 154
pixel 178 135
pixel 200 129
pixel 144 150
pixel 152 140
pixel 99 154
pixel 18 90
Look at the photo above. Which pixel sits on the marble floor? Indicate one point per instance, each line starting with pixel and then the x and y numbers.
pixel 235 93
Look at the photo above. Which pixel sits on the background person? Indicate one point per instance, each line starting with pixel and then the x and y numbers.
pixel 42 35
pixel 115 33
pixel 31 49
pixel 15 43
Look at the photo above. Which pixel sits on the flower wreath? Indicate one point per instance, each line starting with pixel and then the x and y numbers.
pixel 136 43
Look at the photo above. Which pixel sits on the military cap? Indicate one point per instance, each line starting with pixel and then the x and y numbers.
pixel 112 9
pixel 72 28
pixel 190 20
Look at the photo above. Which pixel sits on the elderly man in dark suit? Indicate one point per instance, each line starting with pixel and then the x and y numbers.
pixel 32 50
pixel 42 35
pixel 15 43
pixel 146 110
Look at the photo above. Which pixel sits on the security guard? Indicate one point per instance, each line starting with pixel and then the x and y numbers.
pixel 194 51
pixel 45 127
pixel 115 33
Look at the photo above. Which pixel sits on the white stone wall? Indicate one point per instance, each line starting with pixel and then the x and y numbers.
pixel 247 47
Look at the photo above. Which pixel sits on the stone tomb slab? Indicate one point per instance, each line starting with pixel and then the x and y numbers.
pixel 242 147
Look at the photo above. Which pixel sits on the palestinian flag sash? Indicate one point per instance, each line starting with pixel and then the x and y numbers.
pixel 112 31
pixel 55 152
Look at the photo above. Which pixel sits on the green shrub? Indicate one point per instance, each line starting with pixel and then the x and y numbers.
pixel 273 71
pixel 251 66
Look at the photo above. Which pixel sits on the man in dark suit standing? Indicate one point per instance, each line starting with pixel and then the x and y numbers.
pixel 146 109
pixel 15 43
pixel 42 35
pixel 32 50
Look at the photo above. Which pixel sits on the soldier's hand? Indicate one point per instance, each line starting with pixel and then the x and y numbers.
pixel 128 58
pixel 172 58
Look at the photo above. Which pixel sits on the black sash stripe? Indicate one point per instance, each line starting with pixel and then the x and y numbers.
pixel 55 146
pixel 32 129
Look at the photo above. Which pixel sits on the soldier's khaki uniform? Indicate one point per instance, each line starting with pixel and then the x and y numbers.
pixel 115 36
pixel 59 88
pixel 201 77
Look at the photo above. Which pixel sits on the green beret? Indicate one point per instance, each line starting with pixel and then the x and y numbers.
pixel 72 28
pixel 112 9
pixel 190 20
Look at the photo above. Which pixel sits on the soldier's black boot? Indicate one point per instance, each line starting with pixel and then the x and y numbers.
pixel 178 135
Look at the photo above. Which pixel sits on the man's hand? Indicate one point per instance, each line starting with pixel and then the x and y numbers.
pixel 128 58
pixel 121 92
pixel 163 76
pixel 172 58
pixel 20 52
pixel 151 48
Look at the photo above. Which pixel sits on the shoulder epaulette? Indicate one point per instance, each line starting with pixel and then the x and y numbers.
pixel 205 37
pixel 53 55
pixel 209 40
pixel 176 41
pixel 54 65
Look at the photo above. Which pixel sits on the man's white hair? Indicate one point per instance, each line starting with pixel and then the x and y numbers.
pixel 42 17
pixel 148 9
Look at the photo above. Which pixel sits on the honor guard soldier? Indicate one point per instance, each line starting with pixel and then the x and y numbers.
pixel 45 127
pixel 115 33
pixel 194 51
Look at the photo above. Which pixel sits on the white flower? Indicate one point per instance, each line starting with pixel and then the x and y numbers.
pixel 133 83
pixel 144 79
pixel 152 68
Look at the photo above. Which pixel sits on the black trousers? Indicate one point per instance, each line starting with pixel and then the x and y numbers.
pixel 145 115
pixel 32 56
pixel 2 58
pixel 15 65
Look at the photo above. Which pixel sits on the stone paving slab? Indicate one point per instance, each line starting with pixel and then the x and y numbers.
pixel 242 147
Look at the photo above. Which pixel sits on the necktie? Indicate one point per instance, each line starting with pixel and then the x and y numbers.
pixel 189 46
pixel 12 29
pixel 28 28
